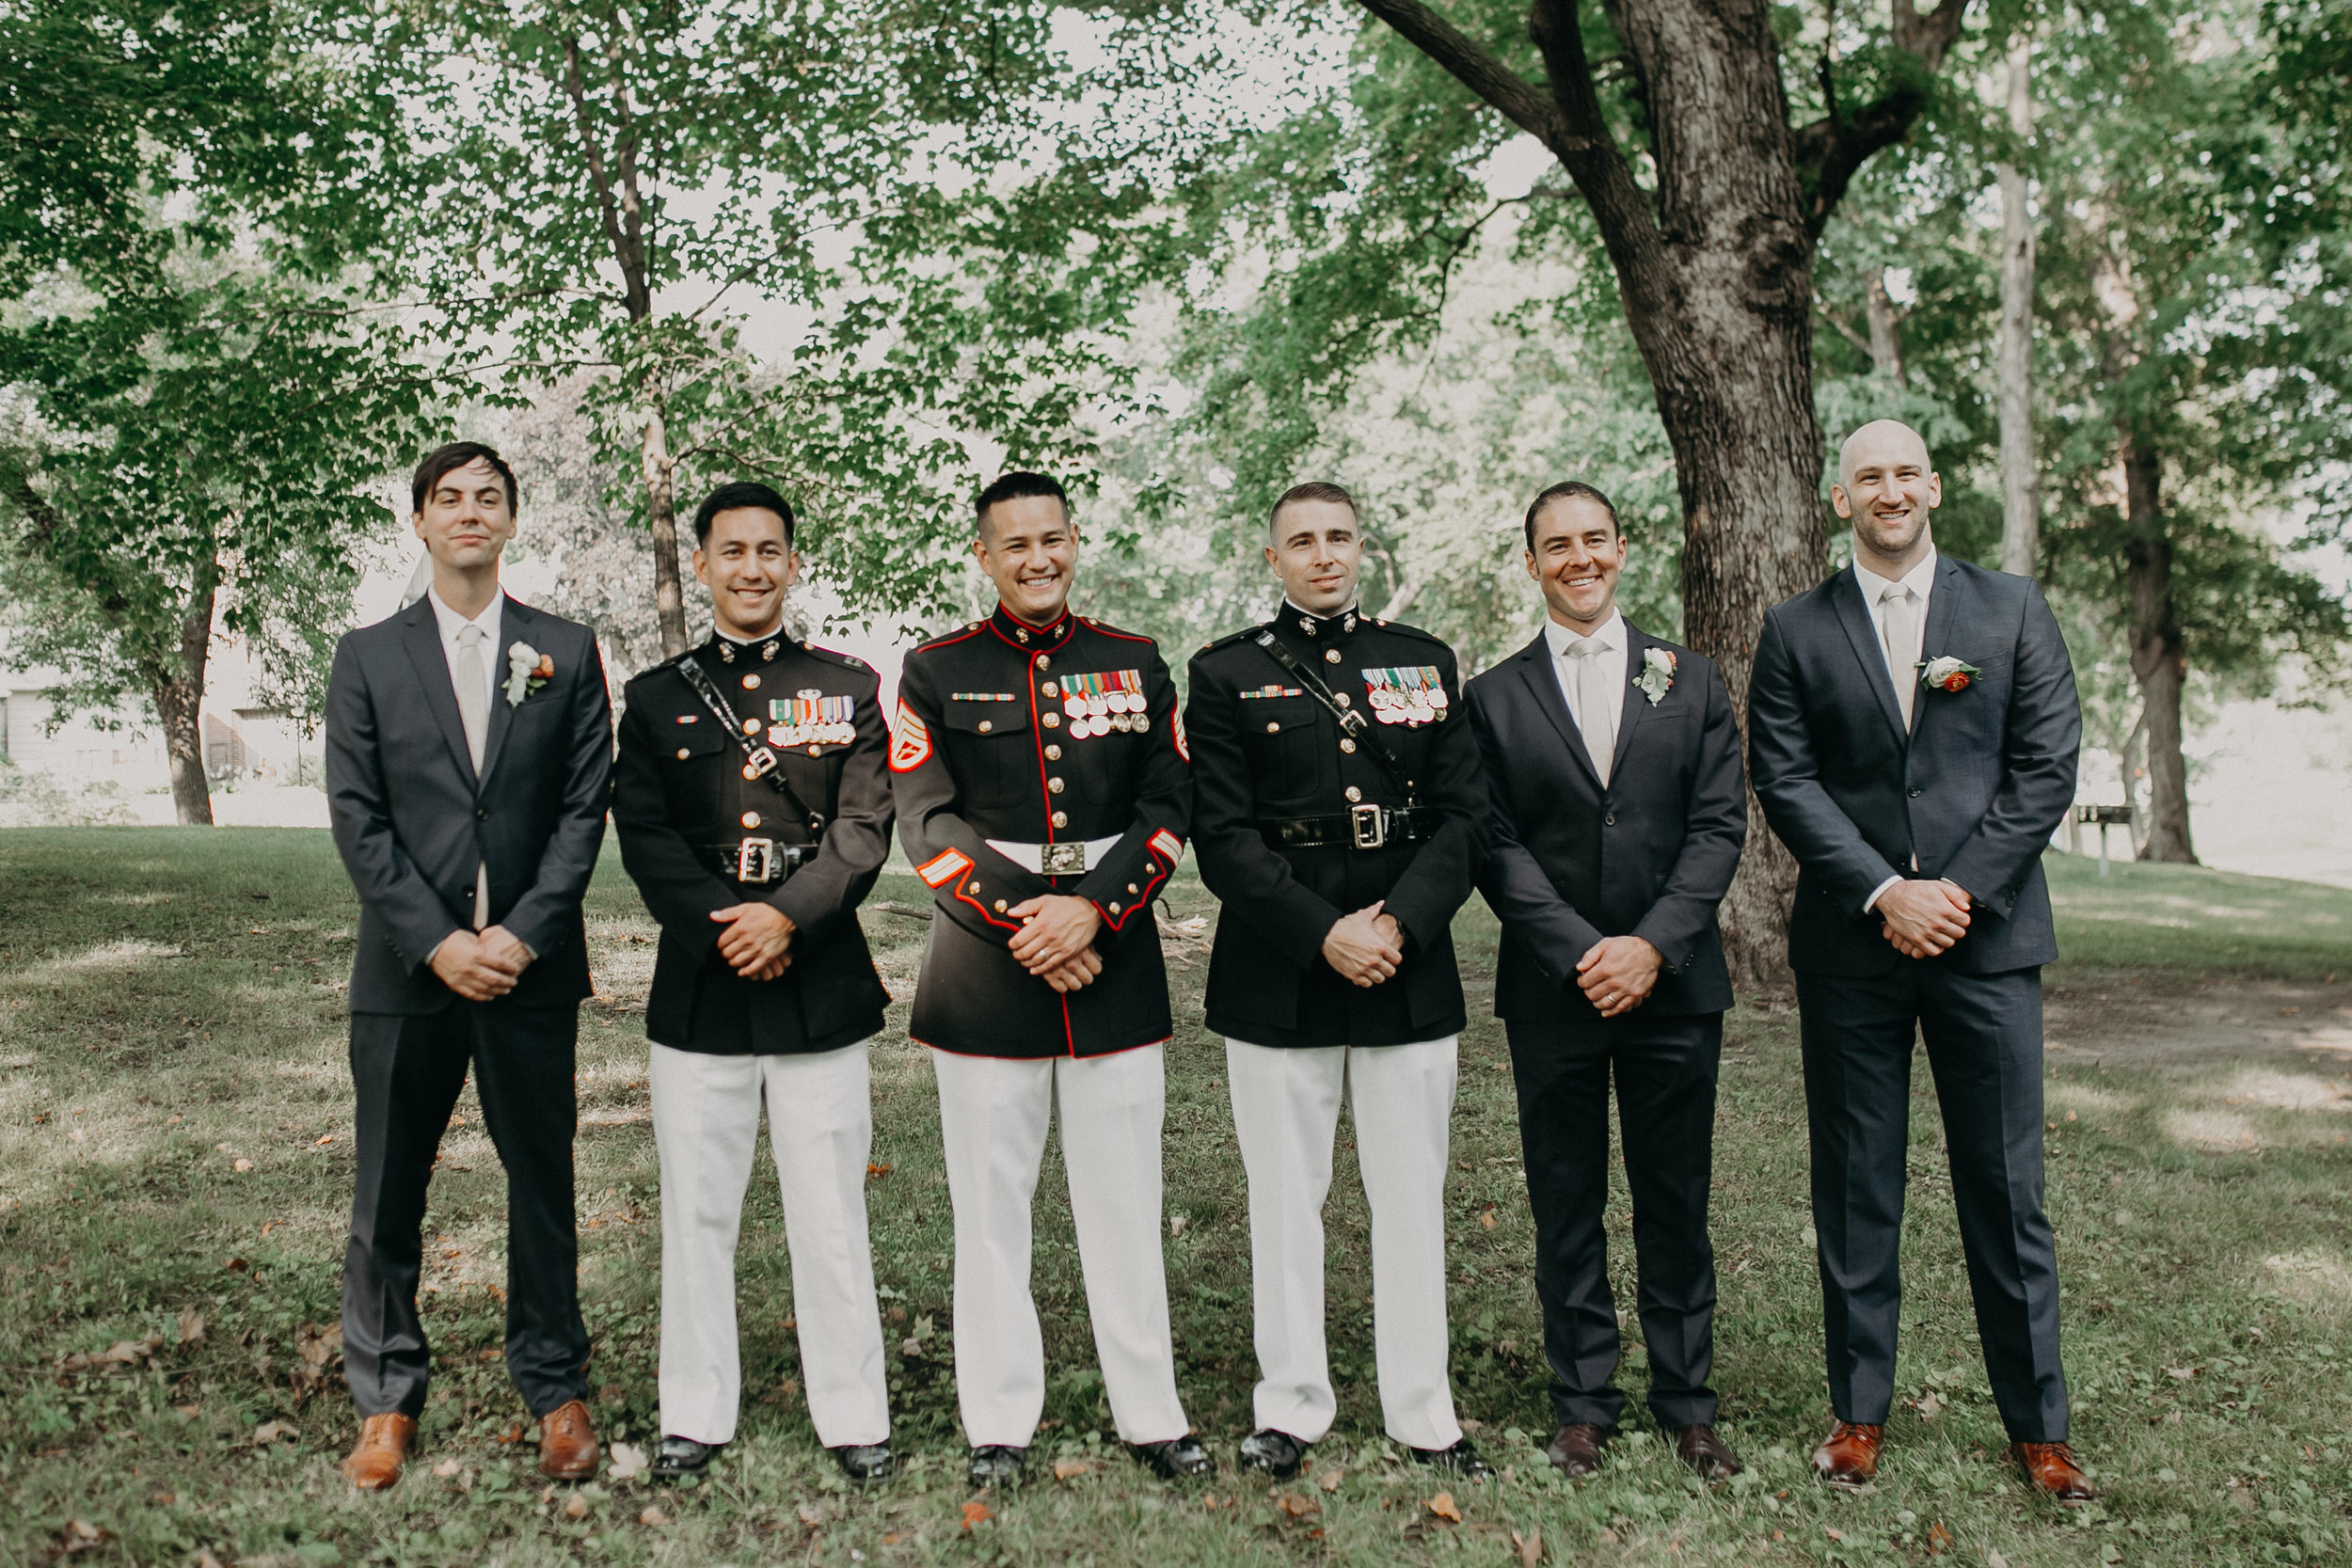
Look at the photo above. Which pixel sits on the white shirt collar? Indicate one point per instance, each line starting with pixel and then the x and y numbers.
pixel 1918 579
pixel 450 620
pixel 1612 634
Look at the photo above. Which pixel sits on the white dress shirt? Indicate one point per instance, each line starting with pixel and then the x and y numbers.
pixel 493 660
pixel 1920 579
pixel 1613 637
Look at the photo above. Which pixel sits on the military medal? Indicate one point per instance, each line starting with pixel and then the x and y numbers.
pixel 1413 696
pixel 811 720
pixel 1101 700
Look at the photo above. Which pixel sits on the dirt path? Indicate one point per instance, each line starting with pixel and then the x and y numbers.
pixel 2136 1022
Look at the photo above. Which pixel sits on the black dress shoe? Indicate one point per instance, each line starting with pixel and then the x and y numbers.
pixel 1278 1453
pixel 1703 1449
pixel 1575 1450
pixel 1461 1460
pixel 994 1465
pixel 683 1456
pixel 864 1462
pixel 1178 1459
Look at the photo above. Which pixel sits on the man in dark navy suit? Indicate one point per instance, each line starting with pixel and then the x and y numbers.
pixel 469 765
pixel 1614 764
pixel 1913 727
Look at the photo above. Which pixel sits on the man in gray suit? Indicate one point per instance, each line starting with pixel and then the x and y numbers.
pixel 1913 730
pixel 468 763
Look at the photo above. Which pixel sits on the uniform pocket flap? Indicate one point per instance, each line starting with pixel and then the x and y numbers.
pixel 1273 715
pixel 686 741
pixel 986 715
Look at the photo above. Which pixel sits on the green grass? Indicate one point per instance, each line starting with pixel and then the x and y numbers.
pixel 169 1007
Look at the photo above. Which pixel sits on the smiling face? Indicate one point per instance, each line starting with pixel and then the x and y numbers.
pixel 1577 557
pixel 466 519
pixel 1317 549
pixel 1029 546
pixel 747 562
pixel 1887 487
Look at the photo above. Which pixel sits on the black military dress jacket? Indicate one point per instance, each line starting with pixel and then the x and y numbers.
pixel 1054 735
pixel 1297 824
pixel 683 810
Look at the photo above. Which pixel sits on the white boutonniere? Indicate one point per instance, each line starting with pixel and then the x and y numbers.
pixel 1657 674
pixel 1948 673
pixel 527 671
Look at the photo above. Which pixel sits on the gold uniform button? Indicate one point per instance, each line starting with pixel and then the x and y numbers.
pixel 751 683
pixel 751 727
pixel 974 890
pixel 1053 784
pixel 1045 661
pixel 817 751
pixel 1341 698
pixel 986 726
pixel 1131 887
pixel 1053 720
pixel 1061 819
pixel 1273 728
pixel 1052 753
pixel 1330 656
pixel 1113 906
pixel 1049 690
pixel 1346 745
pixel 1354 794
pixel 751 819
pixel 1000 906
pixel 683 754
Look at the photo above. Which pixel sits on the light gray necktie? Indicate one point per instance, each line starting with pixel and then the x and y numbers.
pixel 473 711
pixel 1899 631
pixel 1596 710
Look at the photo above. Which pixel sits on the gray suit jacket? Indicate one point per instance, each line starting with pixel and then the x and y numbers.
pixel 1974 790
pixel 413 822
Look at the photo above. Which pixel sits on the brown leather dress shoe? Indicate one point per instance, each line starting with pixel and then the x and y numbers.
pixel 1575 1450
pixel 567 1443
pixel 385 1442
pixel 1703 1449
pixel 1849 1456
pixel 2052 1470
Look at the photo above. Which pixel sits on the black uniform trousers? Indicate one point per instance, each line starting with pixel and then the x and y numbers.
pixel 407 1070
pixel 1665 1067
pixel 1983 1035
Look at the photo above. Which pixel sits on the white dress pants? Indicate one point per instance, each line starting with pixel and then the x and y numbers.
pixel 992 1115
pixel 1286 1110
pixel 820 1125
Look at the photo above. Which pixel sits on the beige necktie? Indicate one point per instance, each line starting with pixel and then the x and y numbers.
pixel 1596 712
pixel 473 711
pixel 1899 630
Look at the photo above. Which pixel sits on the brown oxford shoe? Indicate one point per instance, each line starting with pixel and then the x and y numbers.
pixel 1575 1450
pixel 2052 1470
pixel 567 1443
pixel 1849 1456
pixel 385 1442
pixel 1703 1449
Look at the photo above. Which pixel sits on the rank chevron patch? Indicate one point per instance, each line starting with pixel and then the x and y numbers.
pixel 944 868
pixel 1167 844
pixel 911 745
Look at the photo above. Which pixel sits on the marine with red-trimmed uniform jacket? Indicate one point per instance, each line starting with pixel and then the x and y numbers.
pixel 1044 794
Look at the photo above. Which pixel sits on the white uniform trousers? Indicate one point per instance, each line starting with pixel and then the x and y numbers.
pixel 992 1115
pixel 820 1126
pixel 1286 1110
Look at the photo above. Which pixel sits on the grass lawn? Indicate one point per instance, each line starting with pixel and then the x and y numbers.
pixel 175 1160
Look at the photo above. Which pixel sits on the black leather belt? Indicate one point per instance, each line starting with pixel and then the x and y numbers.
pixel 760 860
pixel 1365 826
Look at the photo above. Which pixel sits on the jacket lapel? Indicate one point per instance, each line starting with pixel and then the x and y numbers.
pixel 514 626
pixel 1854 616
pixel 420 635
pixel 1633 706
pixel 1944 612
pixel 1534 665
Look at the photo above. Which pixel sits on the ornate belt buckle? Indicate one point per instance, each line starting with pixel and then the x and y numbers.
pixel 758 763
pixel 1061 859
pixel 756 861
pixel 1370 825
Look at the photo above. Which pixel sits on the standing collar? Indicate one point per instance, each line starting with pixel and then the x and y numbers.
pixel 1612 634
pixel 1319 627
pixel 1029 639
pixel 1919 579
pixel 756 650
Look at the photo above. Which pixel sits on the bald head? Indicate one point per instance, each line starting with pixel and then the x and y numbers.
pixel 1887 486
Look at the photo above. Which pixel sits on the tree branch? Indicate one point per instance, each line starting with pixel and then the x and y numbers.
pixel 1587 150
pixel 1520 100
pixel 1832 149
pixel 576 91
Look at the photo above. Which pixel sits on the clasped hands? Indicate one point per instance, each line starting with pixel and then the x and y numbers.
pixel 1617 974
pixel 1922 918
pixel 1367 947
pixel 481 966
pixel 1056 941
pixel 758 942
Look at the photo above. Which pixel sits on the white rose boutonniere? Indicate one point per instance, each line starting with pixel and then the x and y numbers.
pixel 1657 674
pixel 527 671
pixel 1948 673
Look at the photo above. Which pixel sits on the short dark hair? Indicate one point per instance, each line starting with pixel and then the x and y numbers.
pixel 1313 490
pixel 1570 489
pixel 442 460
pixel 1018 486
pixel 743 492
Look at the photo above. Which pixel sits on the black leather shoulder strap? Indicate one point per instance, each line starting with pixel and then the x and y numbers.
pixel 759 761
pixel 1352 721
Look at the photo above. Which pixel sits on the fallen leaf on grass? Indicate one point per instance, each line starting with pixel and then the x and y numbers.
pixel 191 1327
pixel 206 1559
pixel 1994 1560
pixel 1070 1469
pixel 1939 1539
pixel 1835 1534
pixel 810 1515
pixel 787 1390
pixel 628 1460
pixel 163 1500
pixel 1329 1480
pixel 80 1536
pixel 910 1348
pixel 1296 1506
pixel 2182 1374
pixel 653 1515
pixel 975 1513
pixel 875 1172
pixel 236 1265
pixel 512 1434
pixel 1444 1506
pixel 242 1164
pixel 270 1431
pixel 1930 1406
pixel 575 1506
pixel 447 1468
pixel 1176 1223
pixel 1488 1218
pixel 1531 1547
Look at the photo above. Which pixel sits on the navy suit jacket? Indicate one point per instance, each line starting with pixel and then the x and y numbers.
pixel 1973 789
pixel 413 822
pixel 1650 855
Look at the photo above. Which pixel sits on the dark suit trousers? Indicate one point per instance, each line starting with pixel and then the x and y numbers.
pixel 1983 1035
pixel 1665 1067
pixel 408 1071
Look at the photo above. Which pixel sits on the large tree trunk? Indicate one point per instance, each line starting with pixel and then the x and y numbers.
pixel 175 683
pixel 2159 661
pixel 2021 499
pixel 668 597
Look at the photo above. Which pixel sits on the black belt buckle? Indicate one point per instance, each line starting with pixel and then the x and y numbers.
pixel 1370 825
pixel 758 763
pixel 757 861
pixel 1061 859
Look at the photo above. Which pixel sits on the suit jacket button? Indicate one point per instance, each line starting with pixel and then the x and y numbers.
pixel 481 816
pixel 1609 820
pixel 1917 792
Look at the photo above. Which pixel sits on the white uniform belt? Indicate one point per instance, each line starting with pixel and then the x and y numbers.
pixel 1067 859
